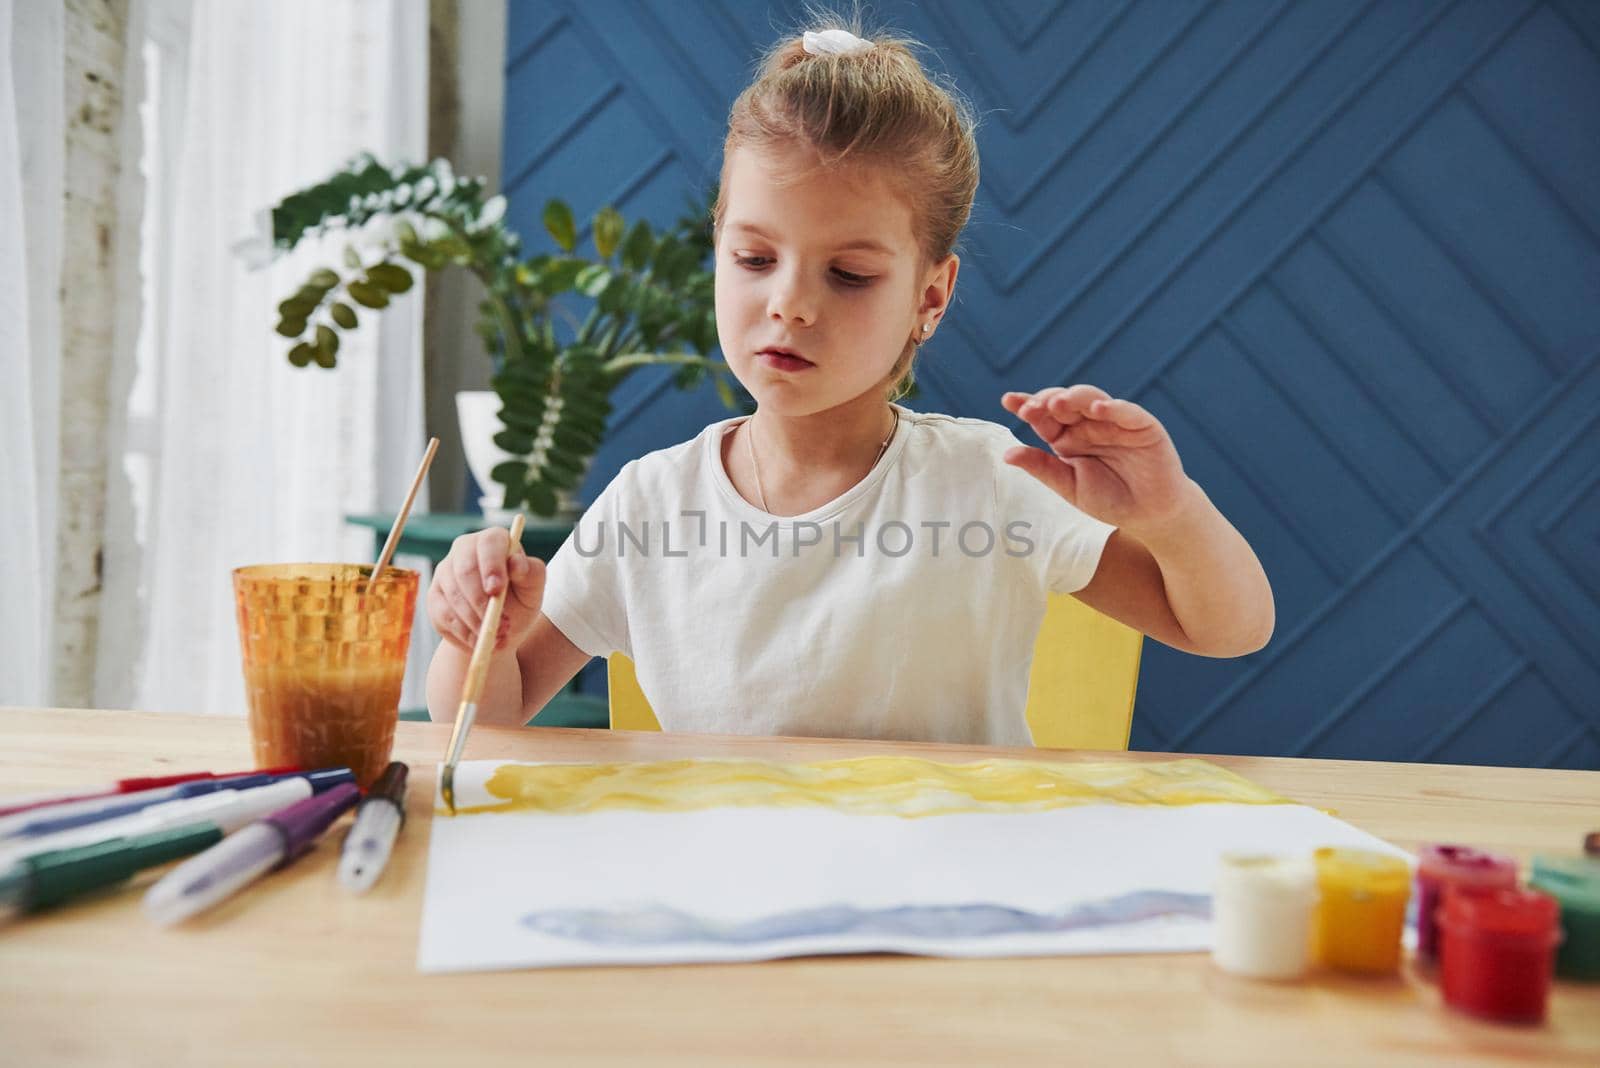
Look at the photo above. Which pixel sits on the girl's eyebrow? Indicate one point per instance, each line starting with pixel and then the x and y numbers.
pixel 864 244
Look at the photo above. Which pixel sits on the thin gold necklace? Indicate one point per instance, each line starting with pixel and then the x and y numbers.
pixel 755 467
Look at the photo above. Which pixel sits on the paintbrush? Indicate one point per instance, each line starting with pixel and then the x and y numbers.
pixel 399 526
pixel 477 671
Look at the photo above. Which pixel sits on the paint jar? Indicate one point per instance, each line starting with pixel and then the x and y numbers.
pixel 1497 951
pixel 1361 909
pixel 1575 884
pixel 324 655
pixel 1441 866
pixel 1261 915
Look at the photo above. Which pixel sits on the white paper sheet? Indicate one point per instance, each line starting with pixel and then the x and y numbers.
pixel 535 889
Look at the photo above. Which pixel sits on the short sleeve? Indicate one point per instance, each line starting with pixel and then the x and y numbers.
pixel 1064 543
pixel 584 588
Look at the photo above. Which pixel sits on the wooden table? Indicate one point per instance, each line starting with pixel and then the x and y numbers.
pixel 293 971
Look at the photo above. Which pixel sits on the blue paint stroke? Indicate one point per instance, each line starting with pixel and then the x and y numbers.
pixel 654 925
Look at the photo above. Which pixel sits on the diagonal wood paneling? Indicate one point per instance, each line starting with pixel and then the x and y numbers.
pixel 1348 251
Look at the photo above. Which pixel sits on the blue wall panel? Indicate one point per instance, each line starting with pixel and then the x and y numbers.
pixel 1348 251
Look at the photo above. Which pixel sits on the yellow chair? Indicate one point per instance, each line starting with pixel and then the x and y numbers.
pixel 1080 694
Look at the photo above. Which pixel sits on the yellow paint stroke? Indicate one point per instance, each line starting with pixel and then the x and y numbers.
pixel 898 786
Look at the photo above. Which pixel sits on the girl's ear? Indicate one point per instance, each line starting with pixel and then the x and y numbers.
pixel 937 288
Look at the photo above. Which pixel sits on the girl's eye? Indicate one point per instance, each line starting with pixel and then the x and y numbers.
pixel 758 263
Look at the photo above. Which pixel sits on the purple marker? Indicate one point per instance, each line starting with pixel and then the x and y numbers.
pixel 241 858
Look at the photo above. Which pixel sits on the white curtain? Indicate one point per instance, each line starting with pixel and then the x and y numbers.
pixel 224 455
pixel 32 140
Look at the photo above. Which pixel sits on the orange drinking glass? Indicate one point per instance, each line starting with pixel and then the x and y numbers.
pixel 324 656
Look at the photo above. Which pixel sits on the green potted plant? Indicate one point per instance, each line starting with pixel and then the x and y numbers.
pixel 563 330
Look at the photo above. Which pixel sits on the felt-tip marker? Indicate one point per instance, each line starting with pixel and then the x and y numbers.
pixel 9 806
pixel 244 856
pixel 19 815
pixel 371 839
pixel 228 809
pixel 38 882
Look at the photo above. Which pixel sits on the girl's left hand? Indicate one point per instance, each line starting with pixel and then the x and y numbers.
pixel 1110 458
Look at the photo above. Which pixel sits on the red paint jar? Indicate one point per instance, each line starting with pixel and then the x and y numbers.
pixel 1498 952
pixel 1442 866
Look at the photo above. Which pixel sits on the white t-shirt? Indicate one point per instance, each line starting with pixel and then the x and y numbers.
pixel 906 608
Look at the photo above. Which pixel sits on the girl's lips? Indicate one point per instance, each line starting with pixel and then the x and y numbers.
pixel 781 362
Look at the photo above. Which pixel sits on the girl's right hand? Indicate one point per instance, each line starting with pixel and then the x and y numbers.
pixel 476 569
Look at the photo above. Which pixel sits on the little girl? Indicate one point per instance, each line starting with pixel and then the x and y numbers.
pixel 838 564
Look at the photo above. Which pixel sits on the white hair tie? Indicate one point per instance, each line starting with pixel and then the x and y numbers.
pixel 834 43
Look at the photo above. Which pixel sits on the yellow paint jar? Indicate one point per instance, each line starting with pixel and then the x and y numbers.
pixel 1362 909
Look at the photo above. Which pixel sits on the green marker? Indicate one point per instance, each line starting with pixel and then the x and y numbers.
pixel 46 879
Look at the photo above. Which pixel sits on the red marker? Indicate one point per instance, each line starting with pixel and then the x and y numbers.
pixel 14 805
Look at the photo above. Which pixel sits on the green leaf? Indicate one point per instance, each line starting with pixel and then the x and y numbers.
pixel 541 500
pixel 560 276
pixel 343 314
pixel 423 255
pixel 571 439
pixel 327 340
pixel 352 258
pixel 454 247
pixel 291 328
pixel 558 221
pixel 636 249
pixel 390 276
pixel 673 263
pixel 561 478
pixel 369 296
pixel 607 231
pixel 405 232
pixel 516 442
pixel 513 495
pixel 522 419
pixel 564 460
pixel 301 354
pixel 614 297
pixel 592 279
pixel 324 358
pixel 323 279
pixel 509 471
pixel 296 308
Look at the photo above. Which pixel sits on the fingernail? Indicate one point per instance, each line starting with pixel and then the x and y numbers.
pixel 491 585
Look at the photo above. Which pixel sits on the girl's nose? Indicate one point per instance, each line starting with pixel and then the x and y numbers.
pixel 790 302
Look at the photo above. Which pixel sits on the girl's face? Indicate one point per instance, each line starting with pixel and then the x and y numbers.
pixel 819 283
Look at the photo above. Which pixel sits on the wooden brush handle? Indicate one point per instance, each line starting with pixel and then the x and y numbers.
pixel 483 650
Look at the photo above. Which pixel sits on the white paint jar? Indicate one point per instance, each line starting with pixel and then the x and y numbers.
pixel 1261 908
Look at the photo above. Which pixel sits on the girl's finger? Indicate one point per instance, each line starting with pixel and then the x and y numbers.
pixel 456 597
pixel 1072 404
pixel 451 629
pixel 1123 413
pixel 492 552
pixel 1035 411
pixel 1092 435
pixel 466 581
pixel 1056 473
pixel 527 581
